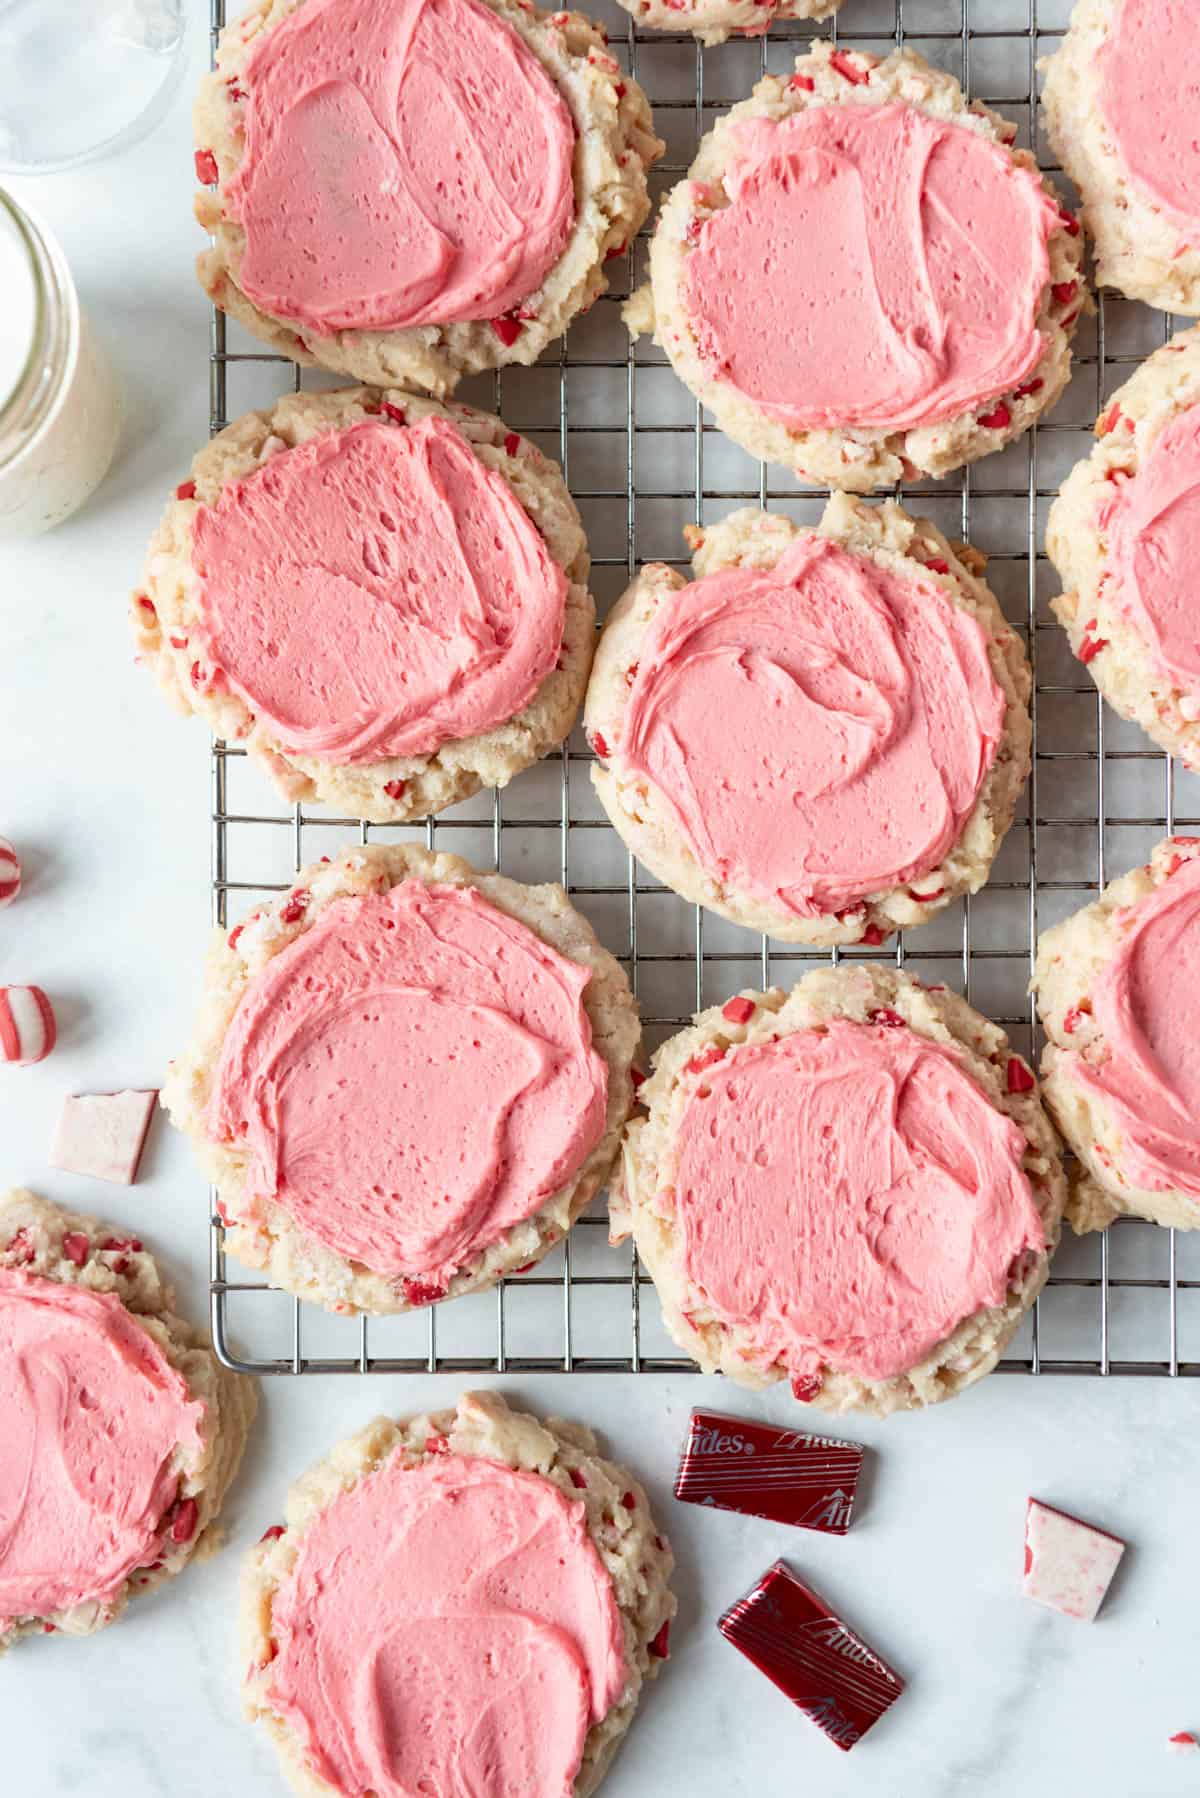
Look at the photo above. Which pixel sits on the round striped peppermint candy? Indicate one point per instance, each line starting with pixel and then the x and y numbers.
pixel 10 872
pixel 27 1028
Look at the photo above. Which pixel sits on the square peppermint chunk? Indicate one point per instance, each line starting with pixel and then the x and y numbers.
pixel 102 1134
pixel 806 1650
pixel 1069 1564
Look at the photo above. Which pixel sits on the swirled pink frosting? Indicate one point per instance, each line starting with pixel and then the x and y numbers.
pixel 447 1629
pixel 91 1416
pixel 406 162
pixel 412 1076
pixel 374 592
pixel 1152 523
pixel 819 730
pixel 1150 1075
pixel 1150 98
pixel 848 1197
pixel 875 267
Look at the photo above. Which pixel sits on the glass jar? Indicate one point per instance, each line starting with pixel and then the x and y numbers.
pixel 59 405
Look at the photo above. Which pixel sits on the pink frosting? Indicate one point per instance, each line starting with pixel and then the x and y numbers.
pixel 447 1629
pixel 820 730
pixel 1153 528
pixel 91 1416
pixel 1150 98
pixel 376 592
pixel 848 1196
pixel 413 1076
pixel 407 162
pixel 875 267
pixel 1141 1005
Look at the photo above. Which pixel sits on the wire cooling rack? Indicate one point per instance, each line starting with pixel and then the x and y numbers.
pixel 642 461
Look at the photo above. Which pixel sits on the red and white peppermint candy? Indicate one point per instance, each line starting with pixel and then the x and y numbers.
pixel 10 872
pixel 27 1028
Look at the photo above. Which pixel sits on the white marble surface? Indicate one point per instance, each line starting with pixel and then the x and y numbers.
pixel 106 797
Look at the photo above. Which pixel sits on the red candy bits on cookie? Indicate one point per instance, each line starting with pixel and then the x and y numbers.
pixel 27 1028
pixel 760 1470
pixel 10 872
pixel 1069 1564
pixel 803 1648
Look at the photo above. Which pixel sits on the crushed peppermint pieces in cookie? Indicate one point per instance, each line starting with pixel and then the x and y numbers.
pixel 294 906
pixel 805 1649
pixel 103 1134
pixel 873 935
pixel 1017 1077
pixel 1069 1564
pixel 75 1247
pixel 738 1011
pixel 508 328
pixel 206 168
pixel 998 419
pixel 888 1019
pixel 1089 646
pixel 849 68
pixel 186 490
pixel 760 1470
pixel 10 872
pixel 28 1030
pixel 706 1059
pixel 418 1292
pixel 512 444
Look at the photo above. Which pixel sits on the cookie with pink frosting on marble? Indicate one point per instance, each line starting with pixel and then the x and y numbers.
pixel 859 356
pixel 1119 102
pixel 824 734
pixel 1124 536
pixel 378 209
pixel 408 1079
pixel 506 1586
pixel 121 1430
pixel 712 21
pixel 1119 1070
pixel 383 598
pixel 851 1186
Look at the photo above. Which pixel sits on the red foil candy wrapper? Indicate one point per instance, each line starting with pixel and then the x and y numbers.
pixel 761 1470
pixel 803 1648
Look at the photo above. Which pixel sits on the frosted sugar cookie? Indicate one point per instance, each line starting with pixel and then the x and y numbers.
pixel 385 599
pixel 859 355
pixel 1124 535
pixel 506 1587
pixel 407 1079
pixel 121 1431
pixel 1120 102
pixel 852 1186
pixel 1119 1067
pixel 407 191
pixel 824 734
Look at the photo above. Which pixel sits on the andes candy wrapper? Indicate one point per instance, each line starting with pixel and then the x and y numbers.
pixel 793 1637
pixel 761 1470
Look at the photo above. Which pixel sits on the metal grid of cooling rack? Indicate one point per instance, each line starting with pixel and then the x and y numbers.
pixel 642 461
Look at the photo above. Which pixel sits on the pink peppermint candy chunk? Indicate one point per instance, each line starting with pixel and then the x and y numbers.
pixel 103 1134
pixel 27 1028
pixel 10 872
pixel 1069 1564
